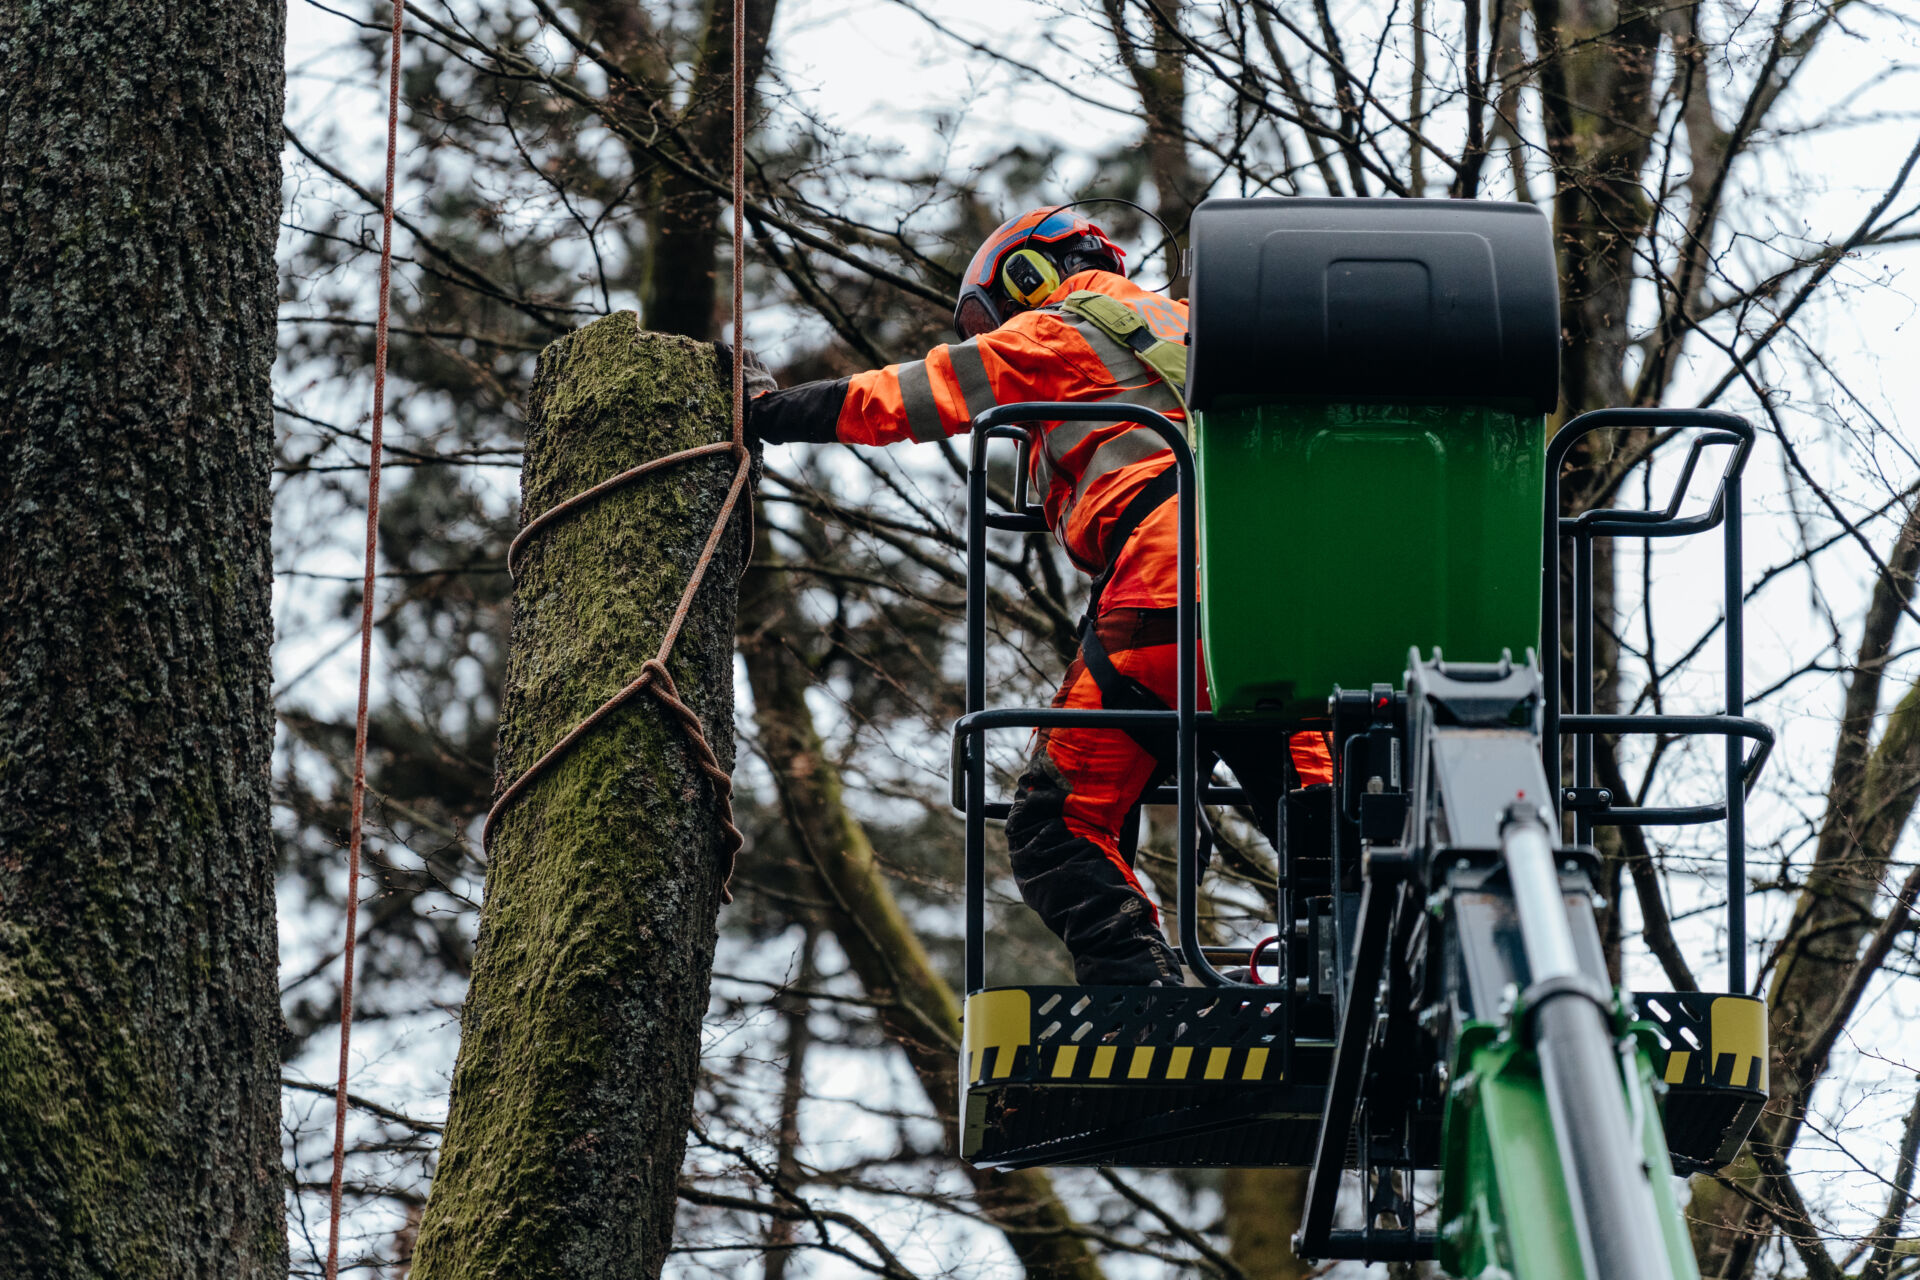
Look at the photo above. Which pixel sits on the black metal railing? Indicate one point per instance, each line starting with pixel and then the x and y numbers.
pixel 1185 718
pixel 1593 806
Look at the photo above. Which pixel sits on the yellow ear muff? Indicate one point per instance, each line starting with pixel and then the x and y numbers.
pixel 1029 278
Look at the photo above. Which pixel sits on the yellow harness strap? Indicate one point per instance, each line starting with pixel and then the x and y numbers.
pixel 1125 326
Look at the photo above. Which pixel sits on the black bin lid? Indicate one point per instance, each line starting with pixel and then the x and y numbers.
pixel 1422 301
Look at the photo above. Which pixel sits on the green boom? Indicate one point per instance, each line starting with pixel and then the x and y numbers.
pixel 1504 1205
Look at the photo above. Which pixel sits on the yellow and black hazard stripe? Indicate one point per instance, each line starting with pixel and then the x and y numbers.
pixel 1735 1053
pixel 999 1047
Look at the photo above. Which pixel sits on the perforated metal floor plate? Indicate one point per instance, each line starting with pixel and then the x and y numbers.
pixel 1133 1076
pixel 1712 1055
pixel 1123 1035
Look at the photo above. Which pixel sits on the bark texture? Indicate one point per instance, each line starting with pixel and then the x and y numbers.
pixel 682 288
pixel 1598 62
pixel 581 1033
pixel 919 1009
pixel 1157 67
pixel 1597 77
pixel 139 1011
pixel 683 265
pixel 1262 1208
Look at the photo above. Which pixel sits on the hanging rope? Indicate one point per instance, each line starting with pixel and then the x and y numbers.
pixel 653 675
pixel 366 653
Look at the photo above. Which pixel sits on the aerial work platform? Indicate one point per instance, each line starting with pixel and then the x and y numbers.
pixel 1205 1077
pixel 1182 1077
pixel 1439 999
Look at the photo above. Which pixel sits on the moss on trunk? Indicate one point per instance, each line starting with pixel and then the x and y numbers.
pixel 581 1032
pixel 1262 1208
pixel 139 1012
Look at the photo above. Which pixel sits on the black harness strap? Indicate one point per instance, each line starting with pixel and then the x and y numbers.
pixel 1121 692
pixel 1117 691
pixel 1151 497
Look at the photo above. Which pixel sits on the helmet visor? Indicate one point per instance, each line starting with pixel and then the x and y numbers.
pixel 974 316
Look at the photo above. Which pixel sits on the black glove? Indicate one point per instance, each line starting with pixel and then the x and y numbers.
pixel 806 414
pixel 757 378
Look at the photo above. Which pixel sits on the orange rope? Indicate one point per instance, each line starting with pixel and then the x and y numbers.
pixel 366 654
pixel 653 673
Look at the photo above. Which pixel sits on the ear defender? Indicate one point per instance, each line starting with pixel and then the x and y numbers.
pixel 1029 278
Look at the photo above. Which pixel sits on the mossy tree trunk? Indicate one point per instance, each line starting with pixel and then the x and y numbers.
pixel 580 1038
pixel 139 1011
pixel 915 1004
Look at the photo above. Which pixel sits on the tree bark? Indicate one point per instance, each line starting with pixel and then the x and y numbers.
pixel 796 1007
pixel 1597 78
pixel 681 292
pixel 139 1010
pixel 683 250
pixel 1597 64
pixel 1262 1208
pixel 1158 69
pixel 921 1013
pixel 581 1034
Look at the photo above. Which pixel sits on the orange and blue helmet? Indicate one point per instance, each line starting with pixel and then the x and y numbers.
pixel 1024 261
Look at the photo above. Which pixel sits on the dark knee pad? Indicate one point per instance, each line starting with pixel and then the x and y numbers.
pixel 1039 801
pixel 1079 891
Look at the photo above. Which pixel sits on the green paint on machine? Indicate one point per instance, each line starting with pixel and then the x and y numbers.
pixel 1504 1205
pixel 1437 509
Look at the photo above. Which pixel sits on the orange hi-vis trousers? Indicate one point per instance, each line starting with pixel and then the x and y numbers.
pixel 1081 786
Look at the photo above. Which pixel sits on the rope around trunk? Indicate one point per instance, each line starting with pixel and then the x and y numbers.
pixel 653 675
pixel 653 672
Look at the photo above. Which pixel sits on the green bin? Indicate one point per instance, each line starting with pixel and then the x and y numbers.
pixel 1370 381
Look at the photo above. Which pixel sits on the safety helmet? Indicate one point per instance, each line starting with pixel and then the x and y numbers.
pixel 1024 261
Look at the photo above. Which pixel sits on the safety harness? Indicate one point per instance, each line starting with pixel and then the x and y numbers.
pixel 1168 361
pixel 1125 326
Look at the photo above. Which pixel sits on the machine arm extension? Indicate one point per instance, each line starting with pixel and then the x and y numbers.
pixel 1617 1222
pixel 1552 1160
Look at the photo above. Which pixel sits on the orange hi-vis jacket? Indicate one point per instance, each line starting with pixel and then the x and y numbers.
pixel 1087 471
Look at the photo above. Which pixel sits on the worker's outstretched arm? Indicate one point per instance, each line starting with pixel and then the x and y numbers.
pixel 933 398
pixel 806 414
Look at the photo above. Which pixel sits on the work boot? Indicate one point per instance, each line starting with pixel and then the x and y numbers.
pixel 1133 953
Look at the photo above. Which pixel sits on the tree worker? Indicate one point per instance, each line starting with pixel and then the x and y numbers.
pixel 1046 312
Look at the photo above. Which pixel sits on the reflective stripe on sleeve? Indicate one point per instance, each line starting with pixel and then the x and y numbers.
pixel 1155 395
pixel 1065 437
pixel 1041 471
pixel 916 395
pixel 970 371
